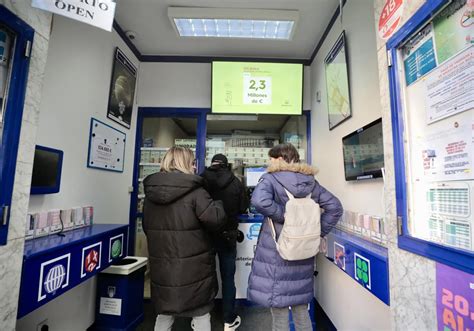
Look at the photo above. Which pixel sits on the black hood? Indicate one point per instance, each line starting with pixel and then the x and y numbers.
pixel 164 188
pixel 218 177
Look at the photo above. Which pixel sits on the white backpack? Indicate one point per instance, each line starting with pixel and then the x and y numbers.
pixel 301 234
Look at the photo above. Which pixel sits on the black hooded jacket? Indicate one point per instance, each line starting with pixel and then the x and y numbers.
pixel 179 214
pixel 222 185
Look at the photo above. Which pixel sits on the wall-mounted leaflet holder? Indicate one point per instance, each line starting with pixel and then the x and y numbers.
pixel 432 102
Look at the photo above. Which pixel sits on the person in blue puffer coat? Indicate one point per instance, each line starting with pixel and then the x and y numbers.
pixel 273 281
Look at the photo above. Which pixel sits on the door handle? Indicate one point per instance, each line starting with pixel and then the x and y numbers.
pixel 5 210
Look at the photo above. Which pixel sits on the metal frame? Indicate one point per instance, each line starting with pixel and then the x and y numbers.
pixel 455 258
pixel 90 146
pixel 146 112
pixel 13 113
pixel 57 187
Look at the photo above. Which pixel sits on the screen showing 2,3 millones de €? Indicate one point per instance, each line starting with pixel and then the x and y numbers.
pixel 257 88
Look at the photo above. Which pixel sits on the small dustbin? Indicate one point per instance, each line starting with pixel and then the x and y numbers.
pixel 119 304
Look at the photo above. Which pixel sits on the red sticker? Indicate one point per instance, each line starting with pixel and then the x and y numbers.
pixel 390 18
pixel 91 261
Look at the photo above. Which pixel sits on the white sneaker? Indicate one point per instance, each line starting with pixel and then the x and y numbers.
pixel 234 325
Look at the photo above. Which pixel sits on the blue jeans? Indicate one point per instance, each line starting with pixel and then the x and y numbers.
pixel 227 257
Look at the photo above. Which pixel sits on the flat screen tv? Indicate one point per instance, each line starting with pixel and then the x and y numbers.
pixel 47 167
pixel 257 88
pixel 363 152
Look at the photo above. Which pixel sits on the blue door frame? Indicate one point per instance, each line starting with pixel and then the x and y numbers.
pixel 201 115
pixel 455 258
pixel 13 113
pixel 149 112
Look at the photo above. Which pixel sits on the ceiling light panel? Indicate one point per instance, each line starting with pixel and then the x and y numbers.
pixel 233 23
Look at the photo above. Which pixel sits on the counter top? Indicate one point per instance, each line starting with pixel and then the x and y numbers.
pixel 44 245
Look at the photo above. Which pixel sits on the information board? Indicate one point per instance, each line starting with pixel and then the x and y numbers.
pixel 106 147
pixel 438 93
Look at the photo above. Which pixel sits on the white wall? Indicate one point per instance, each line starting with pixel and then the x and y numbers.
pixel 77 82
pixel 76 88
pixel 347 304
pixel 186 85
pixel 163 131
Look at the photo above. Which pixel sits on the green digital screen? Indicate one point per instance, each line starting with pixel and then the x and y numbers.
pixel 257 88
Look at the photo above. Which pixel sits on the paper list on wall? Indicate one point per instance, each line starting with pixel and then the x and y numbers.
pixel 450 89
pixel 448 154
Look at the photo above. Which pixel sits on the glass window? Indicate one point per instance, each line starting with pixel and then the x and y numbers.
pixel 437 80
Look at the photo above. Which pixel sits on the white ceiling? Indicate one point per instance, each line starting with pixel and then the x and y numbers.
pixel 156 36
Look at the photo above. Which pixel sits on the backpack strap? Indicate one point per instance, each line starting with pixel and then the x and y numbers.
pixel 272 228
pixel 290 196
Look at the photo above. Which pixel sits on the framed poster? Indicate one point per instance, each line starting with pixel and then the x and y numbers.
pixel 122 90
pixel 337 83
pixel 106 147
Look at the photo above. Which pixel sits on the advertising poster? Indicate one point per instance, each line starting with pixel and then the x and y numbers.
pixel 454 299
pixel 245 254
pixel 450 89
pixel 122 90
pixel 454 29
pixel 106 147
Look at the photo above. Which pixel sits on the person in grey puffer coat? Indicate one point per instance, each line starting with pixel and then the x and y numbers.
pixel 274 282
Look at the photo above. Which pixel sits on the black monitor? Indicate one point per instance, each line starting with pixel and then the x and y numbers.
pixel 47 167
pixel 363 152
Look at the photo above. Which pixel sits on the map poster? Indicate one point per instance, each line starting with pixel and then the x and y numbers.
pixel 337 84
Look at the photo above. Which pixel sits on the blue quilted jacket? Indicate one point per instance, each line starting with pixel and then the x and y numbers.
pixel 274 282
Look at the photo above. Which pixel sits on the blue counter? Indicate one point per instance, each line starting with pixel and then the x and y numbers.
pixel 53 265
pixel 365 262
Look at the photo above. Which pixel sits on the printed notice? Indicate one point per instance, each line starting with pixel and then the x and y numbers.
pixel 448 154
pixel 110 306
pixel 450 89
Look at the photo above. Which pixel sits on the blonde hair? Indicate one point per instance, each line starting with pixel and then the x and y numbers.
pixel 178 159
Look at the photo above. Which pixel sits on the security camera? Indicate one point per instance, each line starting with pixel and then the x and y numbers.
pixel 131 35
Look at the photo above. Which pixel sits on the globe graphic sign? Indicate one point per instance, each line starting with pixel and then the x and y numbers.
pixel 55 278
pixel 116 248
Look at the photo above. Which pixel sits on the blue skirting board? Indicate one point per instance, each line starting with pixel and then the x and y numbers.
pixel 55 264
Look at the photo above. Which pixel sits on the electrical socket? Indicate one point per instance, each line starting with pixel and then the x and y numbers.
pixel 41 324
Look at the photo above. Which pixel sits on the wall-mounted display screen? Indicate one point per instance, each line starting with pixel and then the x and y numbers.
pixel 253 175
pixel 257 88
pixel 363 152
pixel 47 166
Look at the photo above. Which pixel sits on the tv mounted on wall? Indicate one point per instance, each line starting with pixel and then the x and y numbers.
pixel 257 88
pixel 47 167
pixel 363 152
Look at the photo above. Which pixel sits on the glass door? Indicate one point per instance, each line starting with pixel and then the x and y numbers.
pixel 15 47
pixel 158 134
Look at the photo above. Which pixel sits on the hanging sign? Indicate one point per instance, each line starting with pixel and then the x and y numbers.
pixel 390 18
pixel 99 13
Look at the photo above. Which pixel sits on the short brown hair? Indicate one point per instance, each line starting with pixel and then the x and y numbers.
pixel 287 152
pixel 178 159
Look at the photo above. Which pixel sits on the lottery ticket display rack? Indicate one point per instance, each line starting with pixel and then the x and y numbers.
pixel 55 264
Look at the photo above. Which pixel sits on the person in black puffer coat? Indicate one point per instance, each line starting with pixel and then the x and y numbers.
pixel 223 185
pixel 179 216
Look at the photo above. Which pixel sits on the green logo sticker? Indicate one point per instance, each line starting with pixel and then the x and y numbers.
pixel 116 248
pixel 362 270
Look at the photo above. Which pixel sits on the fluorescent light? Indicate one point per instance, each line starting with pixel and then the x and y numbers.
pixel 233 23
